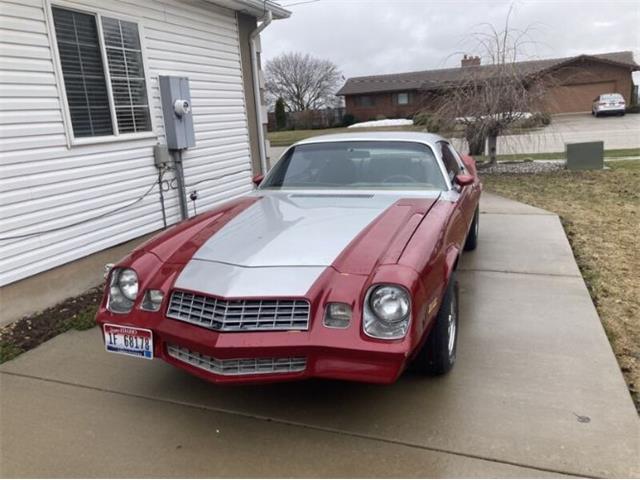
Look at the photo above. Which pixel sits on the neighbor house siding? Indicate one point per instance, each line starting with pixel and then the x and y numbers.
pixel 47 184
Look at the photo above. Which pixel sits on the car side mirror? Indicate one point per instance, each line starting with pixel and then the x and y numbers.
pixel 464 180
pixel 257 179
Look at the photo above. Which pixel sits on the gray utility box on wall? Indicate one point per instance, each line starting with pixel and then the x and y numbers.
pixel 176 108
pixel 585 156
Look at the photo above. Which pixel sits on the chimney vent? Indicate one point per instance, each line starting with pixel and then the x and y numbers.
pixel 470 61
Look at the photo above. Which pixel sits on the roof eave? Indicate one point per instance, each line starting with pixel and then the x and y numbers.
pixel 594 58
pixel 399 88
pixel 255 8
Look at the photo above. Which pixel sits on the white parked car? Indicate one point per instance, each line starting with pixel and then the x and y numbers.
pixel 612 103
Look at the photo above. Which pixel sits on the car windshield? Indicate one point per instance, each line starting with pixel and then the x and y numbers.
pixel 611 97
pixel 367 165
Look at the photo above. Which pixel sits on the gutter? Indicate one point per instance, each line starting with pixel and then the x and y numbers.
pixel 258 7
pixel 253 8
pixel 256 88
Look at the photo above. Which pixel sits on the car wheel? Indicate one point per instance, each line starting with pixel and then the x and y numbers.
pixel 472 237
pixel 595 114
pixel 438 354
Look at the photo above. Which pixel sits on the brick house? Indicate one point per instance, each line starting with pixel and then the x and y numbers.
pixel 576 82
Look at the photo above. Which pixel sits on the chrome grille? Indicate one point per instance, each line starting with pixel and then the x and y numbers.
pixel 239 315
pixel 238 366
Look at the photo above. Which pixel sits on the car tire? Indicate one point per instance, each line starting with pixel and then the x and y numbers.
pixel 472 237
pixel 595 114
pixel 438 354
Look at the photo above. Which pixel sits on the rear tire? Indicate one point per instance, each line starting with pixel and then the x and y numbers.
pixel 472 236
pixel 438 354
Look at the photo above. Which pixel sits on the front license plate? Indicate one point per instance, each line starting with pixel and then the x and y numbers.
pixel 137 342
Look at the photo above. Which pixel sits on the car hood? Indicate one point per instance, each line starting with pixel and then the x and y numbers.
pixel 282 242
pixel 294 229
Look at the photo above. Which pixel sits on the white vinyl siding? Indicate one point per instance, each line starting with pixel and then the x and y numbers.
pixel 46 183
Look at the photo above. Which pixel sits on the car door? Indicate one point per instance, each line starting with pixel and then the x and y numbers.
pixel 466 196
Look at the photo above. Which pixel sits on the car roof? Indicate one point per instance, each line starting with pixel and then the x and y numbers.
pixel 421 137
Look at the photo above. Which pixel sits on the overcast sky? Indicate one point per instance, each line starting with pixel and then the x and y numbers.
pixel 367 37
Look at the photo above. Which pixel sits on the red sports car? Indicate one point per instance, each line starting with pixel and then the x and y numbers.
pixel 341 264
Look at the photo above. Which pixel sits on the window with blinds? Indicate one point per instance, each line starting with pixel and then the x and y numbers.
pixel 124 56
pixel 83 73
pixel 101 101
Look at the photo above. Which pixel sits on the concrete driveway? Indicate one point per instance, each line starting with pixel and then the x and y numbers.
pixel 536 392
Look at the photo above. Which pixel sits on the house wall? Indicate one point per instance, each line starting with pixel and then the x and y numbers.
pixel 45 183
pixel 56 285
pixel 384 105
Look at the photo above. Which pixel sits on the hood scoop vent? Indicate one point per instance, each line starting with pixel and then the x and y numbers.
pixel 331 195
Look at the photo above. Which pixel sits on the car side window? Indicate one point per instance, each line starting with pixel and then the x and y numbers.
pixel 450 162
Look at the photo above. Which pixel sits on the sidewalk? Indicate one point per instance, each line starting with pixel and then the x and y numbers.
pixel 536 392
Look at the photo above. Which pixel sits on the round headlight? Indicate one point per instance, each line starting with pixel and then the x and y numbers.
pixel 128 283
pixel 390 304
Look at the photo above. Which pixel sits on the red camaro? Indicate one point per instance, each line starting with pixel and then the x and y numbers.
pixel 341 264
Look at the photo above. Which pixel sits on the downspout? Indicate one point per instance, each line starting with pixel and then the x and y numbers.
pixel 256 88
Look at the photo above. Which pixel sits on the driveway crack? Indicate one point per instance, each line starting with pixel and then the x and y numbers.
pixel 517 272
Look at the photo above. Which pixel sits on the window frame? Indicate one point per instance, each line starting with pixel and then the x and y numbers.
pixel 454 154
pixel 97 13
pixel 286 156
pixel 360 101
pixel 398 99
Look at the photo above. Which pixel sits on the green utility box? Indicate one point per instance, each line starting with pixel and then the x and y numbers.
pixel 585 156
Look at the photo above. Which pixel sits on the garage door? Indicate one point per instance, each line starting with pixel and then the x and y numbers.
pixel 576 98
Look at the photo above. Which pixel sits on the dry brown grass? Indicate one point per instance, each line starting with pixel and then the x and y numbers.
pixel 600 211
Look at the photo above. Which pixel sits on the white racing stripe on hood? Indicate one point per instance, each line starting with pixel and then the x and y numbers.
pixel 232 281
pixel 280 245
pixel 293 230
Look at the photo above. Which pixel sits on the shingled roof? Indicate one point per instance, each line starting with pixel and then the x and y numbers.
pixel 428 79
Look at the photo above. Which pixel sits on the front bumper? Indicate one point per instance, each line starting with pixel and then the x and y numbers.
pixel 262 357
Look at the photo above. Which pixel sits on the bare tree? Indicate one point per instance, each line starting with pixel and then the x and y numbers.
pixel 302 81
pixel 492 99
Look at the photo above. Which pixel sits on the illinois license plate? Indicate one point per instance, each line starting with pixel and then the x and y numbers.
pixel 137 342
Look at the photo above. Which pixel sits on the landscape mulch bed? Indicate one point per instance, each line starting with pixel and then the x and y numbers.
pixel 74 313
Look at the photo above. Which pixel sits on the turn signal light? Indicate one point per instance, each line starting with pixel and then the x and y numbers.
pixel 152 300
pixel 337 315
